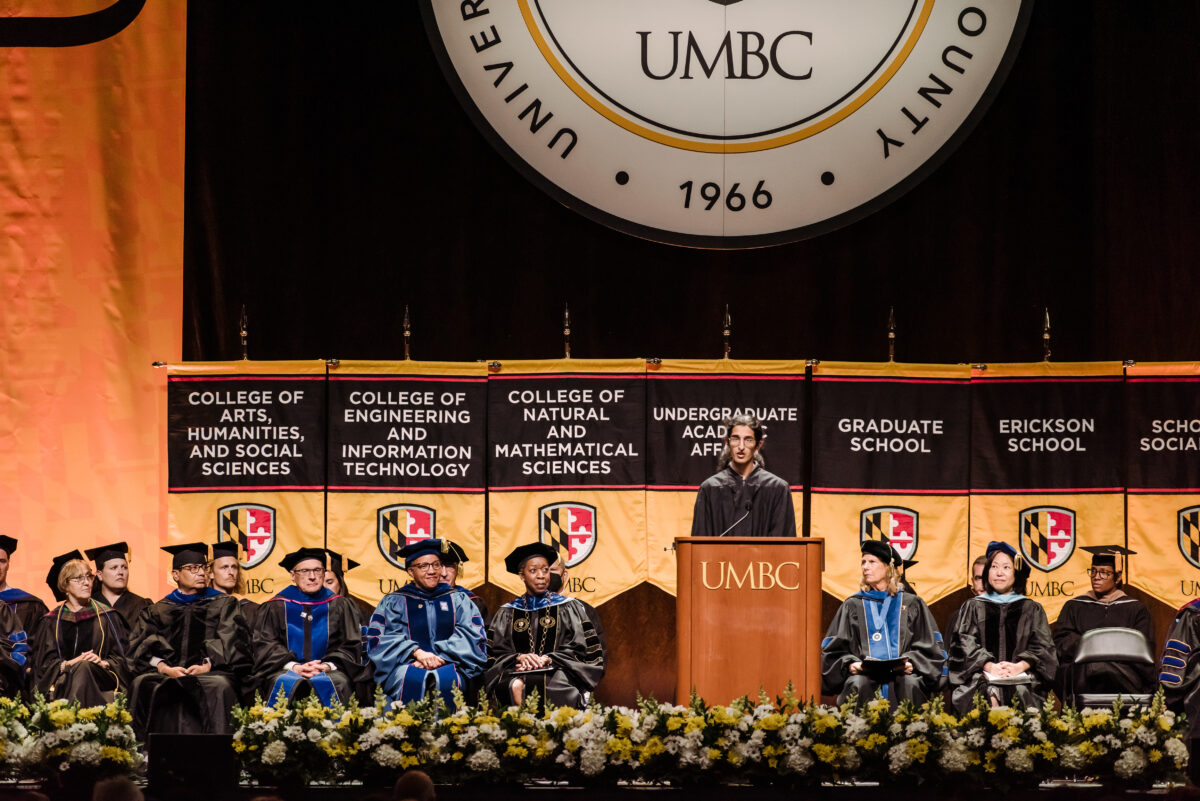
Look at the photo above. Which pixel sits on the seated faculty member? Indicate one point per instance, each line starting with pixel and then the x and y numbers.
pixel 29 609
pixel 190 654
pixel 881 638
pixel 1003 634
pixel 541 641
pixel 1179 673
pixel 1105 606
pixel 112 581
pixel 225 575
pixel 425 637
pixel 559 573
pixel 307 639
pixel 743 499
pixel 335 580
pixel 79 648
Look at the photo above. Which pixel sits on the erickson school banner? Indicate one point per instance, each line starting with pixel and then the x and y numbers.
pixel 1162 446
pixel 890 457
pixel 1046 468
pixel 686 402
pixel 246 461
pixel 406 462
pixel 566 466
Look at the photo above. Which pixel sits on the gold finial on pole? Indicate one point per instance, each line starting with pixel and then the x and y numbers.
pixel 891 333
pixel 407 334
pixel 244 331
pixel 566 331
pixel 1046 334
pixel 726 329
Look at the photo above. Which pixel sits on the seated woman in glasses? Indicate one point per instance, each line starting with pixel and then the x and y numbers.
pixel 79 647
pixel 1105 606
pixel 426 637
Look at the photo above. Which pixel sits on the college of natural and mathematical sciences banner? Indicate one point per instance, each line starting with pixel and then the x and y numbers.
pixel 406 462
pixel 1046 472
pixel 246 461
pixel 686 404
pixel 566 467
pixel 890 449
pixel 1162 447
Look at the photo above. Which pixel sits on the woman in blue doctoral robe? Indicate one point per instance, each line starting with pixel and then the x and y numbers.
pixel 426 636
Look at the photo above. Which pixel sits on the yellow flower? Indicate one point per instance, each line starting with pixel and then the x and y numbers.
pixel 1154 755
pixel 403 718
pixel 111 753
pixel 571 745
pixel 1094 720
pixel 714 754
pixel 456 756
pixel 653 747
pixel 1000 717
pixel 90 713
pixel 409 762
pixel 918 749
pixel 826 753
pixel 61 718
pixel 516 751
pixel 313 713
pixel 824 722
pixel 674 723
pixel 771 722
pixel 871 741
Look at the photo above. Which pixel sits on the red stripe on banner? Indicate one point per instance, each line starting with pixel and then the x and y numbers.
pixel 1163 379
pixel 849 379
pixel 249 377
pixel 1037 491
pixel 373 377
pixel 702 376
pixel 1161 491
pixel 559 487
pixel 438 490
pixel 854 491
pixel 527 376
pixel 245 489
pixel 1055 380
pixel 674 487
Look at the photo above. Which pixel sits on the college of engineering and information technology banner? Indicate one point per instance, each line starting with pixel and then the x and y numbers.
pixel 890 459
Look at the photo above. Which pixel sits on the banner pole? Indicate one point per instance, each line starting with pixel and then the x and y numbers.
pixel 407 334
pixel 1046 334
pixel 244 332
pixel 726 328
pixel 566 331
pixel 891 334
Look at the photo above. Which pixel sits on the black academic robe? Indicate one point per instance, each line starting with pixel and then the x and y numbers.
pixel 990 631
pixel 297 627
pixel 480 604
pixel 1179 673
pixel 182 631
pixel 130 605
pixel 249 611
pixel 910 634
pixel 1085 613
pixel 551 625
pixel 15 657
pixel 726 497
pixel 29 609
pixel 61 635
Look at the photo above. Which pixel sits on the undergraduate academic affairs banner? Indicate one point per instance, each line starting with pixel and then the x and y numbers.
pixel 686 402
pixel 1046 472
pixel 1162 446
pixel 406 461
pixel 891 446
pixel 566 467
pixel 246 461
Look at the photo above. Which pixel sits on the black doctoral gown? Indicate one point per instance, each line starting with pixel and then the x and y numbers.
pixel 249 611
pixel 551 625
pixel 1179 674
pixel 297 627
pixel 990 631
pixel 726 497
pixel 130 605
pixel 910 634
pixel 29 609
pixel 1085 613
pixel 61 635
pixel 182 631
pixel 15 656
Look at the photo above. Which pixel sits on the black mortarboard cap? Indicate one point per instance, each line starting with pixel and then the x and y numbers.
pixel 225 548
pixel 56 570
pixel 1106 555
pixel 523 553
pixel 433 545
pixel 102 553
pixel 454 553
pixel 340 564
pixel 304 554
pixel 189 553
pixel 882 551
pixel 7 544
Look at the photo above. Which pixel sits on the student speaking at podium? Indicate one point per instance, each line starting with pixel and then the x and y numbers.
pixel 743 499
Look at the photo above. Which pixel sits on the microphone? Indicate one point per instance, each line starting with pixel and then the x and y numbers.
pixel 749 506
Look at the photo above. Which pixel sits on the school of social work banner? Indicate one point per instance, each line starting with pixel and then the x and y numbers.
pixel 1046 472
pixel 890 455
pixel 406 461
pixel 1162 432
pixel 246 461
pixel 686 402
pixel 566 467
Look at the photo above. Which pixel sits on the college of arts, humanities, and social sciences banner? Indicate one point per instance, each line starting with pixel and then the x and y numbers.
pixel 246 461
pixel 687 401
pixel 1162 447
pixel 566 467
pixel 890 449
pixel 406 462
pixel 1046 468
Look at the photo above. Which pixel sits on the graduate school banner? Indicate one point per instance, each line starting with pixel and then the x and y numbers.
pixel 1046 471
pixel 246 461
pixel 1162 446
pixel 566 467
pixel 406 462
pixel 890 457
pixel 686 402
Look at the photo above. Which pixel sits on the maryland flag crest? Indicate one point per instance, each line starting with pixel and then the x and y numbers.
pixel 252 527
pixel 570 528
pixel 1189 534
pixel 894 525
pixel 1047 536
pixel 403 524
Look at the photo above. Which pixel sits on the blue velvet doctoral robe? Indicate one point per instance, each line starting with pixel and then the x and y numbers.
pixel 443 621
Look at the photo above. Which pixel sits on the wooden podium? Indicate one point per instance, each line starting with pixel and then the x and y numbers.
pixel 748 615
